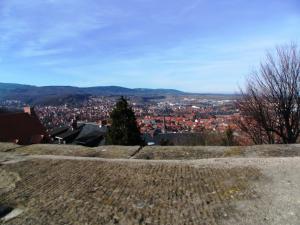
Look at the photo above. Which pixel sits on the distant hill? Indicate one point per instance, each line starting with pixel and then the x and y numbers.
pixel 42 95
pixel 46 94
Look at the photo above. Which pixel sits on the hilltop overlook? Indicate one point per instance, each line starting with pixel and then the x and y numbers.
pixel 149 112
pixel 55 184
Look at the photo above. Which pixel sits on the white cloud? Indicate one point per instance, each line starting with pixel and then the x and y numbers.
pixel 34 27
pixel 30 52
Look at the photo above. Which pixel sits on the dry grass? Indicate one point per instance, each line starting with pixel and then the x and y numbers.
pixel 76 150
pixel 180 152
pixel 234 152
pixel 204 152
pixel 88 192
pixel 4 147
pixel 156 152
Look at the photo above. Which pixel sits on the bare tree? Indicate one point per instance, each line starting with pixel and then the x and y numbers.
pixel 255 132
pixel 270 101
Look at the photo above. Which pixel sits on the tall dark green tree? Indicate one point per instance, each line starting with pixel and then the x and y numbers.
pixel 123 129
pixel 228 140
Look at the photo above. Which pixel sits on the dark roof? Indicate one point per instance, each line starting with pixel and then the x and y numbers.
pixel 93 139
pixel 91 135
pixel 58 130
pixel 25 128
pixel 68 134
pixel 89 129
pixel 147 138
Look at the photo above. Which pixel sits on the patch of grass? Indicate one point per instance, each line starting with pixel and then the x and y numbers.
pixel 233 152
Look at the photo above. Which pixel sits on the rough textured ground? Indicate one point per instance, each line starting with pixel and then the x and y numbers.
pixel 56 189
pixel 72 150
pixel 156 152
pixel 7 146
pixel 203 152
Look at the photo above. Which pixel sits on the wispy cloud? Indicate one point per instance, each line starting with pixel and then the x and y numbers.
pixel 38 26
pixel 190 45
pixel 30 52
pixel 191 5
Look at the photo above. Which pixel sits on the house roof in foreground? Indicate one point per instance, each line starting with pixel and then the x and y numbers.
pixel 24 127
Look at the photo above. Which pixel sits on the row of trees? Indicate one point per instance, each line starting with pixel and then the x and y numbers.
pixel 269 105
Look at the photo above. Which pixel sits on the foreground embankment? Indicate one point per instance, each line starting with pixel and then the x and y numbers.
pixel 57 184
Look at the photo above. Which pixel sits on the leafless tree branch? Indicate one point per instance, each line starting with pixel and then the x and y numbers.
pixel 270 101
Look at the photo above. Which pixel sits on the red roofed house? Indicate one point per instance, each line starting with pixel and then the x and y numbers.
pixel 22 128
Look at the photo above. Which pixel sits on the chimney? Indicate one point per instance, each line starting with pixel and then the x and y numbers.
pixel 29 110
pixel 103 123
pixel 164 128
pixel 74 123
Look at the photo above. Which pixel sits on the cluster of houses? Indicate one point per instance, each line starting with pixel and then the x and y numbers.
pixel 188 123
pixel 25 128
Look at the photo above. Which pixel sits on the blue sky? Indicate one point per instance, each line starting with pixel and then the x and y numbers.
pixel 191 45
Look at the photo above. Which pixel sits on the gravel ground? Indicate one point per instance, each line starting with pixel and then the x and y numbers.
pixel 279 191
pixel 157 152
pixel 107 151
pixel 244 191
pixel 7 146
pixel 204 152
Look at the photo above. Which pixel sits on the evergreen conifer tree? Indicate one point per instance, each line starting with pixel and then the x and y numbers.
pixel 123 129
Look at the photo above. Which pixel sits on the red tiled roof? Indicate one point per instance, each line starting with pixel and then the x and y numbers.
pixel 22 128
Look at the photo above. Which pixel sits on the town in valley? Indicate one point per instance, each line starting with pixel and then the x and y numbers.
pixel 156 115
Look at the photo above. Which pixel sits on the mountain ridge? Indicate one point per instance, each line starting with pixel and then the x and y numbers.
pixel 37 94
